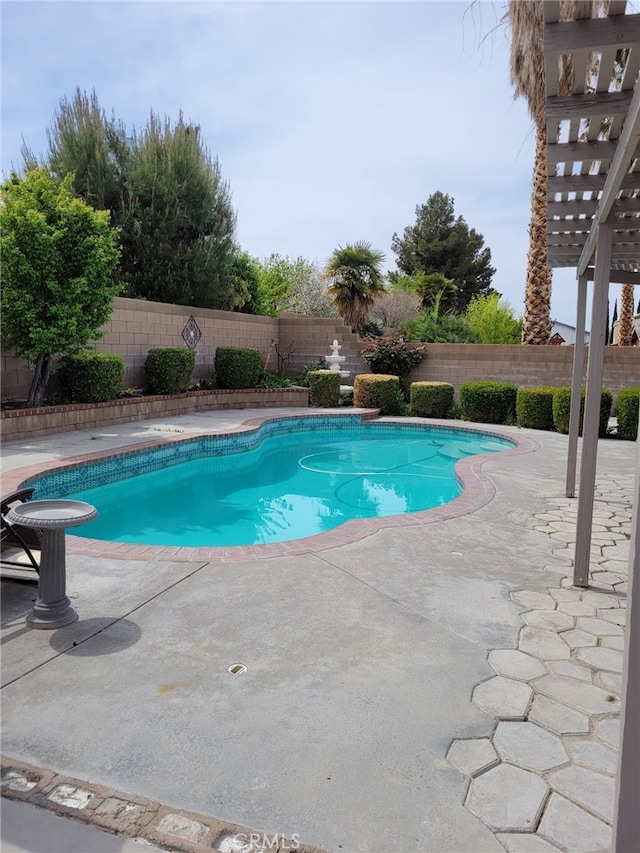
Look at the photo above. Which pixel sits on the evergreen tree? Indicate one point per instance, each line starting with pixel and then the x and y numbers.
pixel 441 243
pixel 178 226
pixel 165 194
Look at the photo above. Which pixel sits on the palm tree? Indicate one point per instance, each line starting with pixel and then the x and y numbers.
pixel 356 281
pixel 625 328
pixel 527 78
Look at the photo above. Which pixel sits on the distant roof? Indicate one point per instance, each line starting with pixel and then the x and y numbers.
pixel 593 150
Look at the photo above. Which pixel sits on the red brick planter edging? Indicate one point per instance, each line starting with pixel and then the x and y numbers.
pixel 18 424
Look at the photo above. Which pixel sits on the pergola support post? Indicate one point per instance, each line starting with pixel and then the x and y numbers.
pixel 592 405
pixel 576 388
pixel 626 817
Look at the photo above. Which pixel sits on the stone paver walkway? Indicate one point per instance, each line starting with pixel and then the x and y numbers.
pixel 545 779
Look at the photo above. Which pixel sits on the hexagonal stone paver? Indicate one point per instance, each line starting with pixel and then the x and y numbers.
pixel 507 798
pixel 550 620
pixel 557 717
pixel 542 644
pixel 472 757
pixel 609 731
pixel 616 615
pixel 601 658
pixel 600 599
pixel 599 627
pixel 593 790
pixel 570 669
pixel 533 600
pixel 577 608
pixel 525 842
pixel 515 664
pixel 577 639
pixel 572 828
pixel 564 594
pixel 502 698
pixel 606 577
pixel 529 746
pixel 584 697
pixel 610 681
pixel 595 755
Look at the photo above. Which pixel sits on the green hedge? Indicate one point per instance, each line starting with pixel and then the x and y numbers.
pixel 169 369
pixel 562 409
pixel 324 388
pixel 627 405
pixel 379 391
pixel 534 408
pixel 91 377
pixel 431 399
pixel 488 402
pixel 237 367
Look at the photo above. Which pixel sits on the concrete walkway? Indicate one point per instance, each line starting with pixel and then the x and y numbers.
pixel 359 724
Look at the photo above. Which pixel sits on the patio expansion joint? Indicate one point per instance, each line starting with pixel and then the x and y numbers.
pixel 77 643
pixel 547 770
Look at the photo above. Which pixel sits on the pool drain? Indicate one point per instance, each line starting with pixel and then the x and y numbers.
pixel 237 668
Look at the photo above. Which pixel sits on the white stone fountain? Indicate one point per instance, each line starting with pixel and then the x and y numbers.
pixel 334 361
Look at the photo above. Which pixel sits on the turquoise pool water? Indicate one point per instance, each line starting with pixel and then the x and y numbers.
pixel 287 480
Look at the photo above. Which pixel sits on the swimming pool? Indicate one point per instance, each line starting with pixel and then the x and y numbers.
pixel 288 479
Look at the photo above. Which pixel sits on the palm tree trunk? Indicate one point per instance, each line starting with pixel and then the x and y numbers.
pixel 536 325
pixel 625 329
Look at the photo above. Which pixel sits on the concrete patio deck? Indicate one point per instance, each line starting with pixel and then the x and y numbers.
pixel 359 724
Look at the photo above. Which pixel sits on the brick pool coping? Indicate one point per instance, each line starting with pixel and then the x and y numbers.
pixel 478 490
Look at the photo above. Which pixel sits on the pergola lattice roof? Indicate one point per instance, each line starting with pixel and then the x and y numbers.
pixel 593 153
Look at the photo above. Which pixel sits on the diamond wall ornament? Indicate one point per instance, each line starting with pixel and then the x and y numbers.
pixel 191 333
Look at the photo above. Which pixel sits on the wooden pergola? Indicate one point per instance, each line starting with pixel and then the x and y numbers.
pixel 593 225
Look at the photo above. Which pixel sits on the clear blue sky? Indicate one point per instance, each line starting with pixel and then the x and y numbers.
pixel 331 121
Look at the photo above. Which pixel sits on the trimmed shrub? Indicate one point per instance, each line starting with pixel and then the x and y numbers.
pixel 534 408
pixel 169 369
pixel 237 367
pixel 431 399
pixel 91 377
pixel 379 391
pixel 324 388
pixel 488 402
pixel 562 409
pixel 627 405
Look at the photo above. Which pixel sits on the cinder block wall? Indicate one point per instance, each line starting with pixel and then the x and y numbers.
pixel 137 326
pixel 304 340
pixel 525 366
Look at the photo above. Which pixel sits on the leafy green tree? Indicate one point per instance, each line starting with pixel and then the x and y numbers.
pixel 441 243
pixel 245 272
pixel 164 192
pixel 355 272
pixel 58 259
pixel 493 320
pixel 309 293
